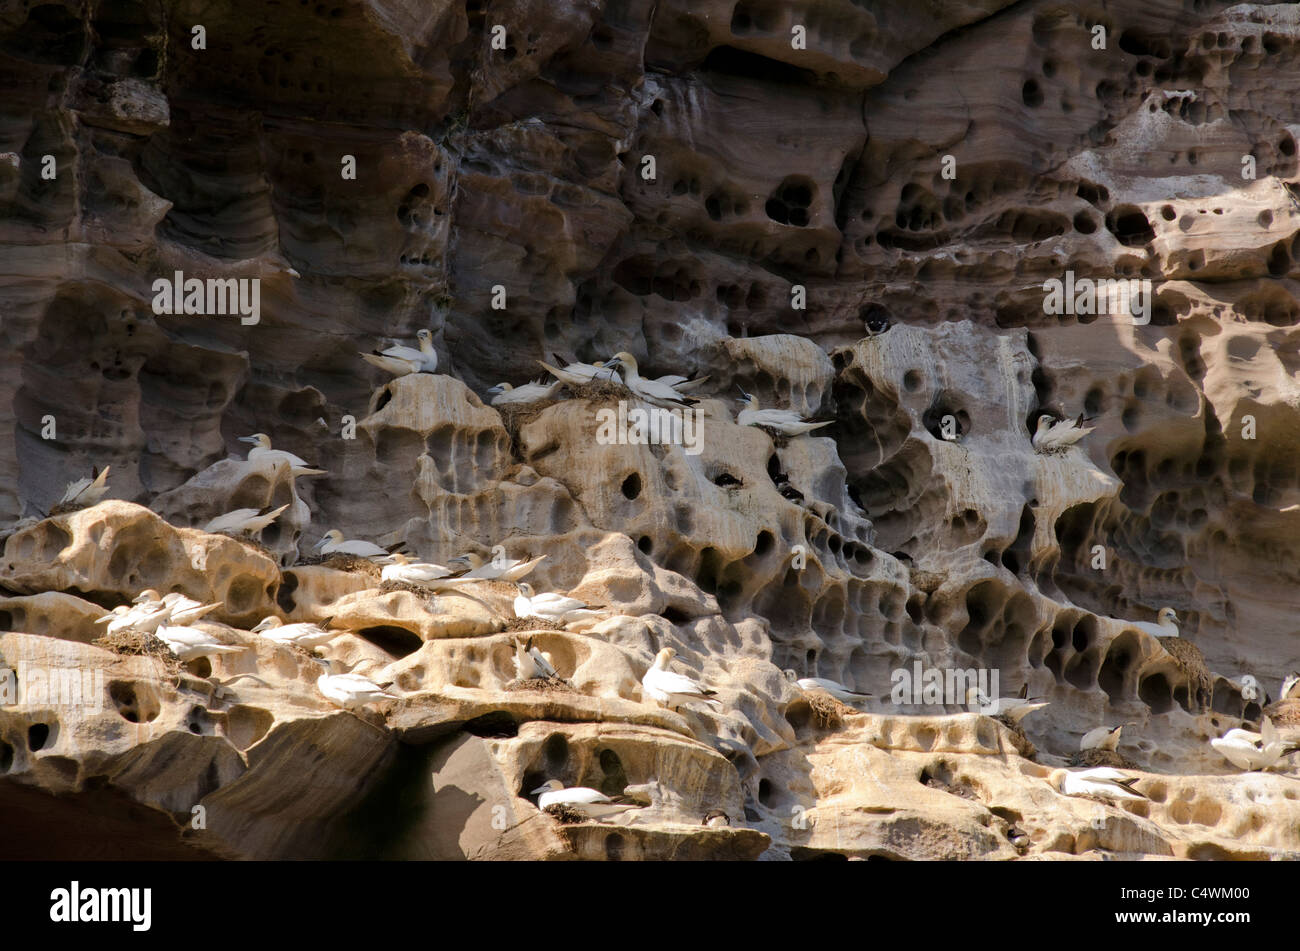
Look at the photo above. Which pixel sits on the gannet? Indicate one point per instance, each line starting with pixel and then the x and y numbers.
pixel 1101 738
pixel 1014 709
pixel 1104 781
pixel 182 610
pixel 511 569
pixel 671 689
pixel 349 690
pixel 652 391
pixel 85 492
pixel 333 543
pixel 1285 710
pixel 532 664
pixel 588 802
pixel 407 571
pixel 303 634
pixel 579 374
pixel 142 618
pixel 263 455
pixel 189 643
pixel 401 360
pixel 1291 687
pixel 244 521
pixel 1254 751
pixel 1053 436
pixel 551 606
pixel 681 383
pixel 836 690
pixel 1166 624
pixel 503 394
pixel 785 421
pixel 716 819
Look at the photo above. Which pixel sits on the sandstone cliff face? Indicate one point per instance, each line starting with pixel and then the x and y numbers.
pixel 799 197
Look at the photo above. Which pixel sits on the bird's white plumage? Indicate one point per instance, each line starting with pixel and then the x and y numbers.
pixel 86 491
pixel 401 360
pixel 413 572
pixel 349 690
pixel 503 394
pixel 672 689
pixel 589 802
pixel 264 457
pixel 244 520
pixel 333 543
pixel 834 688
pixel 301 634
pixel 1101 738
pixel 549 605
pixel 784 421
pixel 190 643
pixel 578 374
pixel 652 391
pixel 1052 436
pixel 1102 781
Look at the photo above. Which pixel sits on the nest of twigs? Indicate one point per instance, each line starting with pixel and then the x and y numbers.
pixel 136 644
pixel 1018 738
pixel 1102 758
pixel 1189 659
pixel 549 684
pixel 251 542
pixel 564 814
pixel 352 563
pixel 530 623
pixel 424 594
pixel 927 581
pixel 599 391
pixel 828 713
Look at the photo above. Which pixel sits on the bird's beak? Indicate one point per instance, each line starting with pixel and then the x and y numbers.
pixel 251 439
pixel 494 390
pixel 320 544
pixel 261 626
pixel 538 791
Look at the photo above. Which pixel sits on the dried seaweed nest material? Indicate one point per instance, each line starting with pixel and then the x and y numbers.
pixel 251 542
pixel 1090 758
pixel 540 683
pixel 136 644
pixel 1189 659
pixel 927 581
pixel 531 623
pixel 599 391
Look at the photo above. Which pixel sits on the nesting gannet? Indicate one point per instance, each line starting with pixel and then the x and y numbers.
pixel 716 819
pixel 182 610
pixel 784 421
pixel 303 634
pixel 85 492
pixel 1101 738
pixel 671 689
pixel 1166 624
pixel 401 360
pixel 349 690
pixel 578 374
pixel 189 643
pixel 1253 751
pixel 503 394
pixel 1285 710
pixel 652 391
pixel 1290 687
pixel 681 384
pixel 1014 709
pixel 405 570
pixel 244 521
pixel 532 664
pixel 1104 781
pixel 1052 436
pixel 510 569
pixel 263 455
pixel 551 606
pixel 142 618
pixel 333 543
pixel 588 802
pixel 836 690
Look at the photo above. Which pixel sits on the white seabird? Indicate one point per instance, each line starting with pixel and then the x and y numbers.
pixel 181 610
pixel 578 374
pixel 349 690
pixel 189 643
pixel 405 570
pixel 588 802
pixel 652 391
pixel 1254 751
pixel 510 569
pixel 263 455
pixel 333 543
pixel 784 421
pixel 302 634
pixel 532 664
pixel 836 690
pixel 672 689
pixel 503 394
pixel 1014 709
pixel 551 606
pixel 85 492
pixel 1101 738
pixel 681 384
pixel 1052 436
pixel 401 360
pixel 244 521
pixel 1166 624
pixel 141 618
pixel 1104 781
